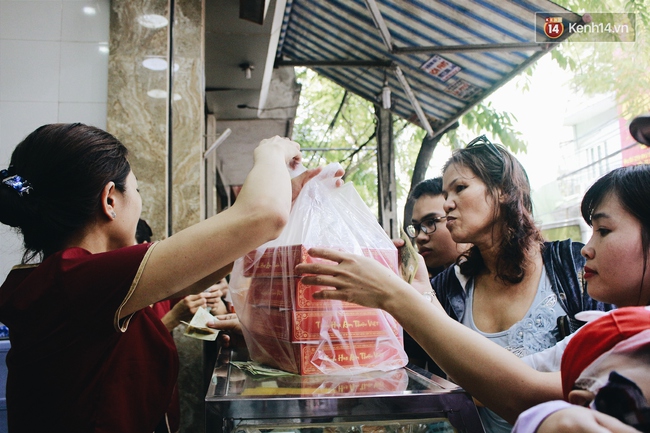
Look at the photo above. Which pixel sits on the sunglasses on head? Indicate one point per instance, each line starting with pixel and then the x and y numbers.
pixel 481 141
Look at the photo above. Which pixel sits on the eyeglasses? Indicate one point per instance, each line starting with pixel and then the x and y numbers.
pixel 427 226
pixel 482 140
pixel 624 400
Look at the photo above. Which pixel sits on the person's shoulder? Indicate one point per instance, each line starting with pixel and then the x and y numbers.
pixel 81 253
pixel 76 259
pixel 444 275
pixel 562 248
pixel 564 243
pixel 447 281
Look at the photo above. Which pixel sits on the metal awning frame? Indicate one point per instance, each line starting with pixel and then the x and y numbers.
pixel 543 47
pixel 385 35
pixel 380 24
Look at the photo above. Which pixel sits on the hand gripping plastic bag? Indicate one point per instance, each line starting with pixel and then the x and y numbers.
pixel 283 325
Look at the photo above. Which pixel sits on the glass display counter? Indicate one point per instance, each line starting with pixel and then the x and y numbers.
pixel 407 400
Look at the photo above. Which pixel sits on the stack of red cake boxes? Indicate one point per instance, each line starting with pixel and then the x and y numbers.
pixel 287 329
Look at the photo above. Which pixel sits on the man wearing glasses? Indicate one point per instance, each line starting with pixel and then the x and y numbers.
pixel 428 227
pixel 434 243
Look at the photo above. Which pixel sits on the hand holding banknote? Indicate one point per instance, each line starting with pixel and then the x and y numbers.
pixel 197 327
pixel 230 326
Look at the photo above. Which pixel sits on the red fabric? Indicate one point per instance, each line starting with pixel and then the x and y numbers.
pixel 161 308
pixel 69 368
pixel 598 337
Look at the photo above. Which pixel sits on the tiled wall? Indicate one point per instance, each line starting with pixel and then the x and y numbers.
pixel 53 68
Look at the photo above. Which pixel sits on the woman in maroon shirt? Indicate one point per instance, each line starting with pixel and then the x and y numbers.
pixel 86 355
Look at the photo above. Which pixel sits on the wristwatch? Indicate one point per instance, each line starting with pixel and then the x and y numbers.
pixel 429 296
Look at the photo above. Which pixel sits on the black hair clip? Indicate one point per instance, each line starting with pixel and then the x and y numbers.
pixel 15 182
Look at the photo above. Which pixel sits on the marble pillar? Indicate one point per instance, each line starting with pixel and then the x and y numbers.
pixel 188 118
pixel 164 134
pixel 137 109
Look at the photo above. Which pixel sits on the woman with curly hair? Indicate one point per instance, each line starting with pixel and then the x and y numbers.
pixel 617 263
pixel 510 286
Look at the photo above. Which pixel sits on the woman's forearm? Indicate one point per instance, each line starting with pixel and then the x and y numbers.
pixel 490 373
pixel 197 252
pixel 494 376
pixel 170 320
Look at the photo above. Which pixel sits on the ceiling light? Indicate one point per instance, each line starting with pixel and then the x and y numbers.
pixel 242 106
pixel 103 47
pixel 248 69
pixel 157 93
pixel 89 10
pixel 152 21
pixel 155 63
pixel 162 94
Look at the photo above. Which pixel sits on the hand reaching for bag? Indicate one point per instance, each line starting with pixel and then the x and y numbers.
pixel 231 333
pixel 298 182
pixel 421 281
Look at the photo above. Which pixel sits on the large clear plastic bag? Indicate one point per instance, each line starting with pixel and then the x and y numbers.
pixel 283 325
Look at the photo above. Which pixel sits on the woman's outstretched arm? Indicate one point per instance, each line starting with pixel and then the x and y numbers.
pixel 198 252
pixel 491 374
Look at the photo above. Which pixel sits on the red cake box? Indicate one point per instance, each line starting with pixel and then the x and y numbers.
pixel 290 293
pixel 387 257
pixel 277 262
pixel 323 358
pixel 337 326
pixel 281 261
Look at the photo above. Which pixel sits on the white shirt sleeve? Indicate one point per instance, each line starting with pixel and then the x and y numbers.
pixel 529 420
pixel 550 359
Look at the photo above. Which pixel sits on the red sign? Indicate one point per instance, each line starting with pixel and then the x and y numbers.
pixel 440 68
pixel 553 27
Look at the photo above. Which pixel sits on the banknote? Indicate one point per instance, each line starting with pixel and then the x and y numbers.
pixel 408 258
pixel 197 328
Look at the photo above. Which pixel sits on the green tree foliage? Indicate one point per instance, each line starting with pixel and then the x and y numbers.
pixel 609 66
pixel 330 118
pixel 484 118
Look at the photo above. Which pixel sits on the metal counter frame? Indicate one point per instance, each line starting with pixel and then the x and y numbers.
pixel 237 401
